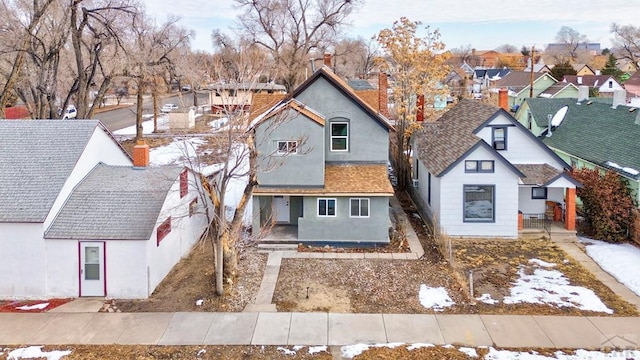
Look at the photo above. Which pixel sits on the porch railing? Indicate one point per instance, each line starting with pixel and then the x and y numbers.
pixel 536 221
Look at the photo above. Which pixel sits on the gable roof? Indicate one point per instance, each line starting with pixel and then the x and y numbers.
pixel 263 102
pixel 114 203
pixel 589 80
pixel 343 87
pixel 596 133
pixel 517 81
pixel 555 89
pixel 291 104
pixel 439 152
pixel 36 159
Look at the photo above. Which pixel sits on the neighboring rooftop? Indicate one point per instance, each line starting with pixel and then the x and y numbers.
pixel 136 193
pixel 517 81
pixel 36 159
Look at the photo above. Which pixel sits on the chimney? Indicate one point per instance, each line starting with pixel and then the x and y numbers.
pixel 420 108
pixel 382 94
pixel 141 154
pixel 583 93
pixel 619 98
pixel 327 60
pixel 503 99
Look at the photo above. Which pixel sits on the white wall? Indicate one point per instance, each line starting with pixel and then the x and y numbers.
pixel 62 268
pixel 126 269
pixel 521 148
pixel 528 205
pixel 185 232
pixel 101 148
pixel 505 199
pixel 22 269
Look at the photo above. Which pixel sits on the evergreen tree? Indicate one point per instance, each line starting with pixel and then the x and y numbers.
pixel 610 68
pixel 560 70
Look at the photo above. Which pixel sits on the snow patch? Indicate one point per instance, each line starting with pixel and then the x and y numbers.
pixel 317 349
pixel 487 299
pixel 470 352
pixel 201 352
pixel 419 346
pixel 178 152
pixel 541 263
pixel 351 351
pixel 40 306
pixel 147 126
pixel 580 354
pixel 35 352
pixel 551 287
pixel 434 298
pixel 286 351
pixel 620 260
pixel 199 302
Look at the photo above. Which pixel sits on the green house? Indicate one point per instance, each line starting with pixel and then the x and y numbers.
pixel 591 134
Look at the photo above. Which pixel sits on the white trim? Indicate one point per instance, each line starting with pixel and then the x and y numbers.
pixel 291 147
pixel 331 136
pixel 335 207
pixel 359 207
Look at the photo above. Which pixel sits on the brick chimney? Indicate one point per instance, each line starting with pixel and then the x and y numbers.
pixel 141 154
pixel 382 94
pixel 420 108
pixel 327 60
pixel 503 99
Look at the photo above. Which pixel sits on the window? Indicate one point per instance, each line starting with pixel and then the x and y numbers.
pixel 287 147
pixel 184 183
pixel 478 203
pixel 610 84
pixel 359 207
pixel 326 207
pixel 163 230
pixel 233 92
pixel 529 122
pixel 539 193
pixel 473 166
pixel 500 138
pixel 193 207
pixel 339 136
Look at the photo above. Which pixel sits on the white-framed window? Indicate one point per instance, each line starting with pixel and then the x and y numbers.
pixel 326 207
pixel 286 147
pixel 479 203
pixel 359 207
pixel 339 136
pixel 499 138
pixel 539 193
pixel 479 166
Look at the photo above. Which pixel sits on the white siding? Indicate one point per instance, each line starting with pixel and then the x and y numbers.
pixel 100 148
pixel 521 148
pixel 529 205
pixel 62 268
pixel 22 269
pixel 505 195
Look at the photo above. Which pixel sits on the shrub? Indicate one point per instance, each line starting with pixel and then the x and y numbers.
pixel 606 202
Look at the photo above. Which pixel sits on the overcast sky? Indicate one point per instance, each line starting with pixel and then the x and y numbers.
pixel 484 24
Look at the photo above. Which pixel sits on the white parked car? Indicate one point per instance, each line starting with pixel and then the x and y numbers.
pixel 70 113
pixel 167 108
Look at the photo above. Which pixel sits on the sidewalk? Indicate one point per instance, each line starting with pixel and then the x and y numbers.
pixel 260 328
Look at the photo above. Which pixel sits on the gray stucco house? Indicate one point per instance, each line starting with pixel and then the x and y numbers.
pixel 322 165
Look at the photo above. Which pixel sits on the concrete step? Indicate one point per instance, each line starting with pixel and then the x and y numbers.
pixel 277 247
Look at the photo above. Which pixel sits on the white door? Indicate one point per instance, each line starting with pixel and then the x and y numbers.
pixel 281 209
pixel 92 269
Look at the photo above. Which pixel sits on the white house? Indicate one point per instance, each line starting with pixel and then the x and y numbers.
pixel 81 219
pixel 479 173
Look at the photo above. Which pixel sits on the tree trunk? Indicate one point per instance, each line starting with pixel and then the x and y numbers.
pixel 139 100
pixel 154 93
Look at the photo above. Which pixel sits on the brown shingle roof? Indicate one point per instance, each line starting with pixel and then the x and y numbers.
pixel 443 142
pixel 341 180
pixel 537 174
pixel 518 80
pixel 370 97
pixel 262 102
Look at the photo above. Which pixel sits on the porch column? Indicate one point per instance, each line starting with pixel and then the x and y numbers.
pixel 570 210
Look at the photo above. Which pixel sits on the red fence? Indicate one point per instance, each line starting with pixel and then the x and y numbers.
pixel 16 112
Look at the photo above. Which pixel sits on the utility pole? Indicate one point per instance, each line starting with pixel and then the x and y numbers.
pixel 533 57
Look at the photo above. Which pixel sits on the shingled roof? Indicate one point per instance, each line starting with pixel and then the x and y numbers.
pixel 596 132
pixel 36 159
pixel 114 203
pixel 438 151
pixel 517 81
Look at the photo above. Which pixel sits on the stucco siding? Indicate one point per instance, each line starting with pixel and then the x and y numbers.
pixel 62 268
pixel 306 167
pixel 23 262
pixel 342 227
pixel 368 139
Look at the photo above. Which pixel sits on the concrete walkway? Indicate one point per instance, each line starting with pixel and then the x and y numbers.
pixel 268 328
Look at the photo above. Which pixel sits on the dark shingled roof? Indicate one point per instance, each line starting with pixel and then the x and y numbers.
pixel 596 133
pixel 517 80
pixel 114 203
pixel 437 152
pixel 36 159
pixel 537 174
pixel 358 84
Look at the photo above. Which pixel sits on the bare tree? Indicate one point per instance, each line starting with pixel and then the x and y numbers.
pixel 507 48
pixel 354 58
pixel 568 46
pixel 626 43
pixel 291 29
pixel 416 66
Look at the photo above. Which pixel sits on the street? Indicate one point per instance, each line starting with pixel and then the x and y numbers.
pixel 123 117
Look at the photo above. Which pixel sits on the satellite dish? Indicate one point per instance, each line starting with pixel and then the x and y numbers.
pixel 559 116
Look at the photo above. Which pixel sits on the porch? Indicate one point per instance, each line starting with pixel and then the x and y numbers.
pixel 546 228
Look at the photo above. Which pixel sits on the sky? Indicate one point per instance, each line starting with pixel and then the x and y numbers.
pixel 484 25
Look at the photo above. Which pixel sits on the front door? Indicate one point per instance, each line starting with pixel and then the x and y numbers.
pixel 281 209
pixel 92 269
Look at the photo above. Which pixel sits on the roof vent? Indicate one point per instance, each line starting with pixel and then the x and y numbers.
pixel 589 102
pixel 632 109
